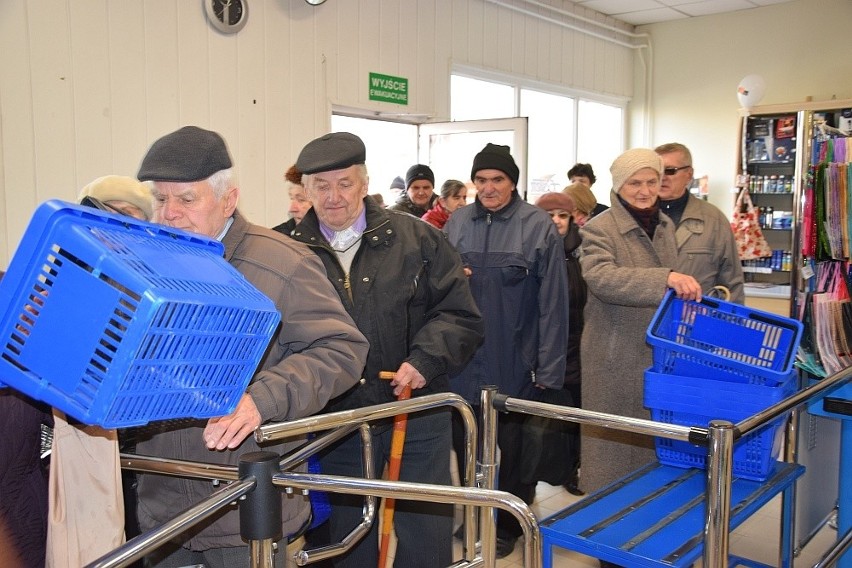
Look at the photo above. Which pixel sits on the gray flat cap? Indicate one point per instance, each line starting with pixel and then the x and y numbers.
pixel 334 151
pixel 188 154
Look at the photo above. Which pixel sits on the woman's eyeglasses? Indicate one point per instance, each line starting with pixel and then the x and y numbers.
pixel 562 215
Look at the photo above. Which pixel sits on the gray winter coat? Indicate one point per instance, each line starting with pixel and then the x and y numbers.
pixel 626 273
pixel 317 354
pixel 707 250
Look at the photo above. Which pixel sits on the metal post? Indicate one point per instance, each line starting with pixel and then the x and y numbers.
pixel 719 475
pixel 260 513
pixel 488 515
pixel 469 480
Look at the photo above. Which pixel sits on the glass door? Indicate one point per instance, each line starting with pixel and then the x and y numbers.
pixel 449 147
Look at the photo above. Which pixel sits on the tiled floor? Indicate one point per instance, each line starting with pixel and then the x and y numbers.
pixel 757 539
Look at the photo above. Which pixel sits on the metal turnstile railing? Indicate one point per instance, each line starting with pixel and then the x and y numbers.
pixel 476 494
pixel 262 469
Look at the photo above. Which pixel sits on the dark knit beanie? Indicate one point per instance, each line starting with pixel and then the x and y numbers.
pixel 188 154
pixel 397 183
pixel 417 172
pixel 495 157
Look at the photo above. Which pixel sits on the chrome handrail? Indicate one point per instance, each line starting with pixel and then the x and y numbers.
pixel 720 436
pixel 139 546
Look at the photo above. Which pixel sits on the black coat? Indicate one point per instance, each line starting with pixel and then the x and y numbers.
pixel 577 291
pixel 404 204
pixel 409 297
pixel 23 478
pixel 286 227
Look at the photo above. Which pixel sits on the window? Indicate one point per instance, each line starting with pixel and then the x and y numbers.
pixel 474 99
pixel 551 140
pixel 563 129
pixel 600 140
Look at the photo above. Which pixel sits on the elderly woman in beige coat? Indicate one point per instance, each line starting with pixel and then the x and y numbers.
pixel 627 257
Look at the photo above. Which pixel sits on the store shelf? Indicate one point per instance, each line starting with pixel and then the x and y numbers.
pixel 762 270
pixel 762 290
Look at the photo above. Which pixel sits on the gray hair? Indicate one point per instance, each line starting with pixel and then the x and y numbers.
pixel 222 181
pixel 360 170
pixel 674 147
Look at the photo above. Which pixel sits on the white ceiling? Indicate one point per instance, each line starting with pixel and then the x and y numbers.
pixel 638 12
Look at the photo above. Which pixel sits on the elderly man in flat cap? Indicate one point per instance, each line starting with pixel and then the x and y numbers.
pixel 516 262
pixel 317 354
pixel 404 286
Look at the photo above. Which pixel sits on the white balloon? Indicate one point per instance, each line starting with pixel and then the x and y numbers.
pixel 751 90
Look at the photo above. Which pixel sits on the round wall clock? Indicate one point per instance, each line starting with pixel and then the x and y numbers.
pixel 227 16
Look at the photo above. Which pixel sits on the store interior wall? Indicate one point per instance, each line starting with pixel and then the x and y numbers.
pixel 800 48
pixel 86 86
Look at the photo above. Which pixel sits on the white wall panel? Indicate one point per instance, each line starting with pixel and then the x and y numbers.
pixel 161 68
pixel 87 85
pixel 127 89
pixel 17 187
pixel 196 60
pixel 90 91
pixel 279 86
pixel 53 100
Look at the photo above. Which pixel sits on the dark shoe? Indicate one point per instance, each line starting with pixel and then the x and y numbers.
pixel 571 487
pixel 505 546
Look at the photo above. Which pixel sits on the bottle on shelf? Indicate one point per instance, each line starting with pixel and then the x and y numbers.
pixel 767 218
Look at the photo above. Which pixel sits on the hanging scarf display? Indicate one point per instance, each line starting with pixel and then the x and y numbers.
pixel 827 212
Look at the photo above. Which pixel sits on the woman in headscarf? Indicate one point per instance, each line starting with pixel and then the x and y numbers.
pixel 627 257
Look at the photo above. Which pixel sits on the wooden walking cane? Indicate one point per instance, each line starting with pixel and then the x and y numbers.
pixel 400 422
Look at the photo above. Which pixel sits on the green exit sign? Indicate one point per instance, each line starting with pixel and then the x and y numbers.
pixel 388 89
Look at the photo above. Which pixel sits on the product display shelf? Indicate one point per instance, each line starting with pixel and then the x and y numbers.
pixel 770 148
pixel 828 134
pixel 655 517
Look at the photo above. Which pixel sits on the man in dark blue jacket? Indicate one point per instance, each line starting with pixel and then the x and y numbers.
pixel 404 286
pixel 516 263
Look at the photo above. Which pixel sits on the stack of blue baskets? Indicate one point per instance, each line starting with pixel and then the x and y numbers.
pixel 719 360
pixel 118 322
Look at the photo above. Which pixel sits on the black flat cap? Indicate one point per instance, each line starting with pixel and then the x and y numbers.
pixel 334 151
pixel 187 154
